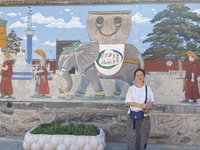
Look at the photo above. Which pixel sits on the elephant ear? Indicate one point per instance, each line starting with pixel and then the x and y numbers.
pixel 86 54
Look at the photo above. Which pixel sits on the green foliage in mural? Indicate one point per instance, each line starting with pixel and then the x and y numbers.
pixel 175 32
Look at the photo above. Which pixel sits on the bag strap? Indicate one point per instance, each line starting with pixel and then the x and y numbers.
pixel 146 94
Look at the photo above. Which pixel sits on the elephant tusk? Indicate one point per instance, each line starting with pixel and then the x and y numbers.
pixel 60 73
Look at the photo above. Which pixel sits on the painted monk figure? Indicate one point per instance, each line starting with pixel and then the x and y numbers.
pixel 6 88
pixel 192 73
pixel 42 85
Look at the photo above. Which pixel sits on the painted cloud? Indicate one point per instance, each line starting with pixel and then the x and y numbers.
pixel 12 14
pixel 52 44
pixel 197 11
pixel 51 22
pixel 18 24
pixel 139 19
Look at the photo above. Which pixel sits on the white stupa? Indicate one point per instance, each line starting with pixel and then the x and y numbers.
pixel 20 62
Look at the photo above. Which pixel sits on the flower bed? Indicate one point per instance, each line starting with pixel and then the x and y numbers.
pixel 64 142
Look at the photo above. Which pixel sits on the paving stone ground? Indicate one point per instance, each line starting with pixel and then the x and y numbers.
pixel 15 144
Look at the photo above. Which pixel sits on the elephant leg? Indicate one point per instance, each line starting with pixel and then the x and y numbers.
pixel 118 88
pixel 91 74
pixel 82 86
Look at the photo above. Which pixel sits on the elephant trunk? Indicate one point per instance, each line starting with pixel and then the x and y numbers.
pixel 68 78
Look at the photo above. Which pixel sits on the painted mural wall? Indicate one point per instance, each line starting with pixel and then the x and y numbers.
pixel 104 44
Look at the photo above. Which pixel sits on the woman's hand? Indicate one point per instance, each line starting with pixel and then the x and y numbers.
pixel 150 105
pixel 144 106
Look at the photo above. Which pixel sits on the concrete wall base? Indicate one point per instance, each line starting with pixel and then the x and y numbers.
pixel 170 124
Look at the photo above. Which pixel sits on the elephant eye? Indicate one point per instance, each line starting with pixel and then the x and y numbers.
pixel 99 20
pixel 117 19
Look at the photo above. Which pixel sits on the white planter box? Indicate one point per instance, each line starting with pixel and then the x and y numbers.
pixel 64 142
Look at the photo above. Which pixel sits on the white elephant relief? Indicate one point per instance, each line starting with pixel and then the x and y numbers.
pixel 110 30
pixel 82 57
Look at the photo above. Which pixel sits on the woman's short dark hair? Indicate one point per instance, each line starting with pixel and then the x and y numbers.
pixel 139 70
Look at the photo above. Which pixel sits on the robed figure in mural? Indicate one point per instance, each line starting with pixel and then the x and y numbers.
pixel 42 85
pixel 190 82
pixel 6 87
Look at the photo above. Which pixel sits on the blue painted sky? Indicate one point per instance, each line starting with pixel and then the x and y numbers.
pixel 69 23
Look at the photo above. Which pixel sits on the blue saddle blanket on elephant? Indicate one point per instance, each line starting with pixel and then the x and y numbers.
pixel 110 59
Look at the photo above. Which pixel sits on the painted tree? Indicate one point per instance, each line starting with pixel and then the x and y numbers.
pixel 175 32
pixel 13 44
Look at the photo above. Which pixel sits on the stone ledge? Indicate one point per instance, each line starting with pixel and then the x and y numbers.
pixel 97 105
pixel 67 105
pixel 186 109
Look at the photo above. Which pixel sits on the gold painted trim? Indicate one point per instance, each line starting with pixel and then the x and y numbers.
pixel 131 60
pixel 100 93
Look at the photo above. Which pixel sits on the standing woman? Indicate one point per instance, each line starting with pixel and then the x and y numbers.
pixel 138 130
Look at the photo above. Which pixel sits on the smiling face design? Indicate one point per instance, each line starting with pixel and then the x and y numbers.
pixel 117 24
pixel 109 27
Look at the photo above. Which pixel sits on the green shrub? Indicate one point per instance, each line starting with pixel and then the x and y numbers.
pixel 69 129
